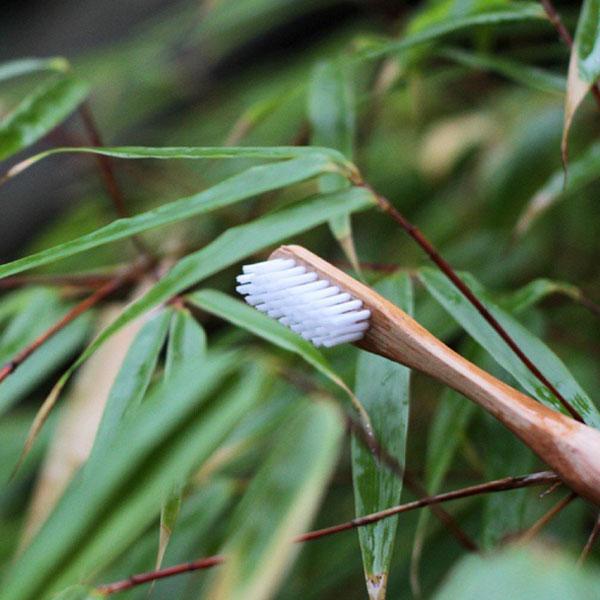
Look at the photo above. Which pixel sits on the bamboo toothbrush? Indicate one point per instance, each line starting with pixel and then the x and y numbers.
pixel 328 307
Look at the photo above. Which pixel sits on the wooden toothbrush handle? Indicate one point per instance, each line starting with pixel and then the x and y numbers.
pixel 571 448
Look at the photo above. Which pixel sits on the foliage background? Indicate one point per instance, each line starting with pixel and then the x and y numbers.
pixel 462 134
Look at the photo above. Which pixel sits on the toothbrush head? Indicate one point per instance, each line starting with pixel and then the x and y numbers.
pixel 303 300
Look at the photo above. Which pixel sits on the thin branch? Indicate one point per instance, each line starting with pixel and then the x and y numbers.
pixel 84 280
pixel 386 206
pixel 565 35
pixel 590 542
pixel 105 166
pixel 499 485
pixel 101 293
pixel 134 580
pixel 528 535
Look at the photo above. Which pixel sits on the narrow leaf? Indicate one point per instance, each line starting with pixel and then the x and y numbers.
pixel 531 573
pixel 39 113
pixel 584 66
pixel 230 247
pixel 481 331
pixel 383 388
pixel 106 508
pixel 251 182
pixel 132 381
pixel 25 66
pixel 186 346
pixel 332 118
pixel 582 171
pixel 191 153
pixel 526 75
pixel 497 15
pixel 279 504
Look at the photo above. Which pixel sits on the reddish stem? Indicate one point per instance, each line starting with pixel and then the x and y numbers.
pixel 105 166
pixel 101 293
pixel 499 485
pixel 590 542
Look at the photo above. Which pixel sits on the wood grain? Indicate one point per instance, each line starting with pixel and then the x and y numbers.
pixel 572 449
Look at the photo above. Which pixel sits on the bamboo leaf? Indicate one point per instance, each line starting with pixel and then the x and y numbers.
pixel 25 66
pixel 186 345
pixel 242 315
pixel 383 388
pixel 230 247
pixel 105 508
pixel 582 171
pixel 480 330
pixel 532 573
pixel 251 182
pixel 532 77
pixel 132 381
pixel 192 153
pixel 498 14
pixel 279 504
pixel 332 118
pixel 187 341
pixel 39 113
pixel 584 66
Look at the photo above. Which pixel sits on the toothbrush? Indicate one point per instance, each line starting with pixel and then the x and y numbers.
pixel 328 307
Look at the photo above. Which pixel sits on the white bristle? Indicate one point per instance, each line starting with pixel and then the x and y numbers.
pixel 312 307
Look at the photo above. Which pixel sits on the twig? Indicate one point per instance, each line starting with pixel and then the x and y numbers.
pixel 590 542
pixel 530 533
pixel 134 580
pixel 412 230
pixel 101 293
pixel 84 281
pixel 105 166
pixel 499 485
pixel 565 35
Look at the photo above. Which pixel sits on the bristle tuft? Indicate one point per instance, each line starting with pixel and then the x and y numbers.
pixel 299 299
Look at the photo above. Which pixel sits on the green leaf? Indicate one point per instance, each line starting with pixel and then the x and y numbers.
pixel 107 507
pixel 230 247
pixel 279 504
pixel 25 66
pixel 526 75
pixel 186 345
pixel 514 11
pixel 251 182
pixel 187 341
pixel 332 117
pixel 39 113
pixel 582 172
pixel 587 41
pixel 249 318
pixel 131 384
pixel 194 153
pixel 480 330
pixel 530 573
pixel 383 388
pixel 584 66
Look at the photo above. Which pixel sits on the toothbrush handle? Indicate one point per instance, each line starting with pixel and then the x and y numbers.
pixel 571 448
